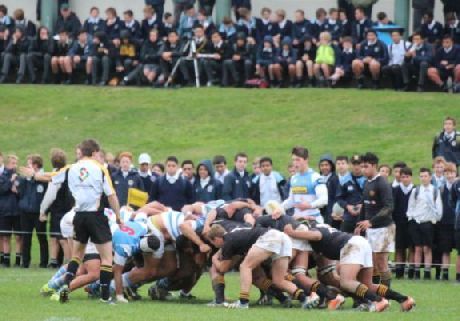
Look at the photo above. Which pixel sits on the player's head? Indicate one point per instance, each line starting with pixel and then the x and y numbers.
pixel 370 164
pixel 149 243
pixel 216 235
pixel 300 158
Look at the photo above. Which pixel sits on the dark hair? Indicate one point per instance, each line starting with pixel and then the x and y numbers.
pixel 321 11
pixel 198 26
pixel 300 151
pixel 3 9
pixel 219 159
pixel 370 158
pixel 128 13
pixel 188 7
pixel 361 9
pixel 347 39
pixel 381 15
pixel 187 162
pixel 265 160
pixel 93 8
pixel 417 33
pixel 19 14
pixel 333 10
pixel 356 159
pixel 406 171
pixel 160 165
pixel 88 147
pixel 341 158
pixel 425 170
pixel 399 164
pixel 172 31
pixel 386 166
pixel 82 31
pixel 452 119
pixel 447 36
pixel 111 10
pixel 36 160
pixel 167 15
pixel 172 159
pixel 242 155
pixel 450 16
pixel 58 158
pixel 429 14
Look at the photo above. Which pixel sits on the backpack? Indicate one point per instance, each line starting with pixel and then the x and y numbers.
pixel 256 83
pixel 435 192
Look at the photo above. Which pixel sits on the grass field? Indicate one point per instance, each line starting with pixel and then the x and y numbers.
pixel 198 124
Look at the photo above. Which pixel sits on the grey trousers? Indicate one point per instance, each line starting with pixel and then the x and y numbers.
pixel 10 59
pixel 103 64
pixel 409 69
pixel 233 68
pixel 38 60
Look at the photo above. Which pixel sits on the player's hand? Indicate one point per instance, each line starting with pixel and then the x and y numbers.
pixel 276 214
pixel 43 217
pixel 303 206
pixel 205 248
pixel 288 229
pixel 357 231
pixel 206 229
pixel 364 225
pixel 121 299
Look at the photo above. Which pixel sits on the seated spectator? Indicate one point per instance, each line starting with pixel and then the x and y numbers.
pixel 318 25
pixel 94 23
pixel 30 30
pixel 112 26
pixel 300 28
pixel 217 52
pixel 343 65
pixel 266 58
pixel 207 6
pixel 39 56
pixel 227 30
pixel 170 54
pixel 168 25
pixel 202 45
pixel 4 39
pixel 79 57
pixel 372 55
pixel 446 63
pixel 416 61
pixel 346 23
pixel 305 60
pixel 286 62
pixel 396 53
pixel 326 57
pixel 127 55
pixel 266 26
pixel 6 20
pixel 103 57
pixel 209 27
pixel 240 65
pixel 247 24
pixel 383 20
pixel 150 57
pixel 431 30
pixel 134 27
pixel 333 25
pixel 360 27
pixel 62 45
pixel 151 21
pixel 452 27
pixel 68 21
pixel 187 22
pixel 15 54
pixel 284 25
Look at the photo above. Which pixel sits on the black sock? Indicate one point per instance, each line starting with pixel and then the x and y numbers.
pixel 427 274
pixel 399 271
pixel 438 273
pixel 387 293
pixel 376 278
pixel 244 297
pixel 18 259
pixel 385 278
pixel 417 273
pixel 445 274
pixel 105 278
pixel 322 291
pixel 6 259
pixel 458 277
pixel 219 290
pixel 362 292
pixel 2 255
pixel 72 269
pixel 410 272
pixel 299 294
pixel 277 294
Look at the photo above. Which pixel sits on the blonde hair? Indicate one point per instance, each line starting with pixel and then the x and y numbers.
pixel 215 232
pixel 325 36
pixel 450 167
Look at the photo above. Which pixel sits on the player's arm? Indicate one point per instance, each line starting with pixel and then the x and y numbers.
pixel 387 199
pixel 115 206
pixel 111 195
pixel 221 265
pixel 249 218
pixel 48 199
pixel 302 235
pixel 322 197
pixel 209 219
pixel 188 231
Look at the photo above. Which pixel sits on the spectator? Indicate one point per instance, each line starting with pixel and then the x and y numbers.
pixel 452 27
pixel 187 22
pixel 79 57
pixel 158 168
pixel 127 56
pixel 360 26
pixel 247 24
pixel 343 67
pixel 30 30
pixel 447 143
pixel 158 6
pixel 147 177
pixel 326 57
pixel 181 7
pixel 168 24
pixel 445 64
pixel 39 56
pixel 133 26
pixel 416 62
pixel 207 6
pixel 170 54
pixel 188 169
pixel 266 58
pixel 16 54
pixel 61 47
pixel 94 23
pixel 345 22
pixel 300 28
pixel 305 61
pixel 6 20
pixel 333 25
pixel 113 26
pixel 201 45
pixel 451 6
pixel 218 51
pixel 237 183
pixel 240 65
pixel 220 166
pixel 431 30
pixel 238 4
pixel 330 178
pixel 125 178
pixel 68 21
pixel 318 25
pixel 152 20
pixel 396 53
pixel 227 30
pixel 284 25
pixel 206 188
pixel 150 57
pixel 269 185
pixel 420 8
pixel 103 56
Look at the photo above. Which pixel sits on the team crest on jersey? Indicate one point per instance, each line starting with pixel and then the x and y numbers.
pixel 130 182
pixel 116 182
pixel 454 143
pixel 40 189
pixel 350 188
pixel 210 189
pixel 237 181
pixel 372 193
pixel 83 174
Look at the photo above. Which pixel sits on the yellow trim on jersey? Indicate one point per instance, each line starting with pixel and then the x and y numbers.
pixel 105 172
pixel 52 174
pixel 299 190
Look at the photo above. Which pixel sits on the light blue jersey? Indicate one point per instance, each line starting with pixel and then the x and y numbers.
pixel 172 221
pixel 126 241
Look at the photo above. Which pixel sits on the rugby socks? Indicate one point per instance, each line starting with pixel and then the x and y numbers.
pixel 6 260
pixel 437 273
pixel 218 285
pixel 244 297
pixel 163 283
pixel 387 293
pixel 385 278
pixel 53 263
pixel 445 274
pixel 126 282
pixel 322 291
pixel 72 269
pixel 362 292
pixel 105 277
pixel 18 259
pixel 299 294
pixel 267 287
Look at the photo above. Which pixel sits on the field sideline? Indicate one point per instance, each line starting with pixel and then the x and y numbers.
pixel 198 124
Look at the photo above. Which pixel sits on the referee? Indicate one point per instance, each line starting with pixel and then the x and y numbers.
pixel 88 180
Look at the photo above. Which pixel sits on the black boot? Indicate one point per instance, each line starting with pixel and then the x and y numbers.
pixel 410 273
pixel 18 260
pixel 6 260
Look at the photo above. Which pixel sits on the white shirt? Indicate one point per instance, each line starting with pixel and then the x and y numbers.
pixel 397 52
pixel 172 179
pixel 406 189
pixel 268 189
pixel 2 169
pixel 221 177
pixel 145 174
pixel 425 208
pixel 204 182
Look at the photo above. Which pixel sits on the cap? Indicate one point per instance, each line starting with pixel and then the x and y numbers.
pixel 144 158
pixel 356 159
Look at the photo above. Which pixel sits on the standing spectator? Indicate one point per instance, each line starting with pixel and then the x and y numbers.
pixel 39 55
pixel 159 169
pixel 377 218
pixel 416 62
pixel 269 185
pixel 237 4
pixel 39 8
pixel 397 173
pixel 360 26
pixel 396 54
pixel 237 184
pixel 300 28
pixel 30 30
pixel 345 22
pixel 102 53
pixel 284 24
pixel 6 20
pixel 9 215
pixel 445 64
pixel 113 26
pixel 206 188
pixel 125 178
pixel 220 166
pixel 425 209
pixel 147 177
pixel 438 178
pixel 447 143
pixel 226 28
pixel 455 194
pixel 94 23
pixel 180 7
pixel 134 27
pixel 247 24
pixel 333 25
pixel 158 6
pixel 451 6
pixel 431 30
pixel 207 6
pixel 330 178
pixel 16 54
pixel 349 7
pixel 172 190
pixel 31 193
pixel 152 20
pixel 452 27
pixel 187 21
pixel 68 21
pixel 318 24
pixel 371 55
pixel 420 8
pixel 188 169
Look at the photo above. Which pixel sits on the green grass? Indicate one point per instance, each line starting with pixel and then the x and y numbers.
pixel 198 124
pixel 21 302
